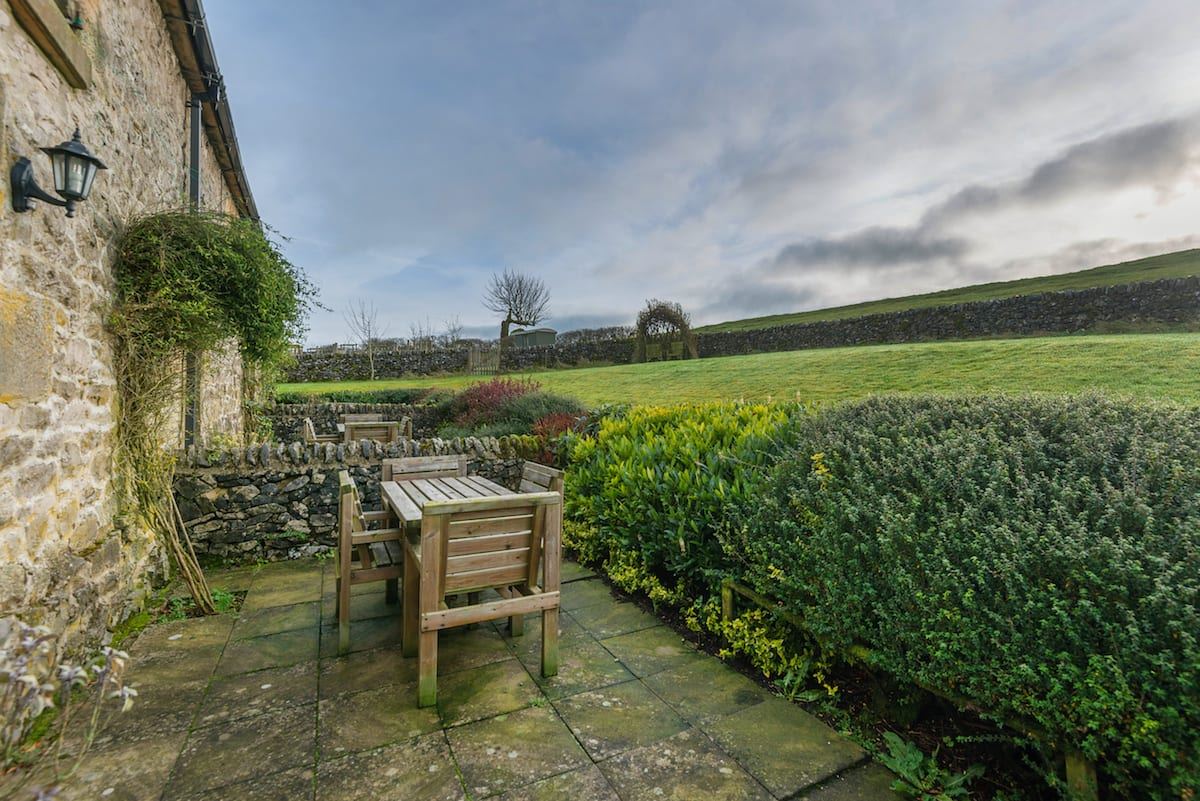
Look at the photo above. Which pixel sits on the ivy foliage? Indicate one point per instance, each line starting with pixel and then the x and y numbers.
pixel 188 280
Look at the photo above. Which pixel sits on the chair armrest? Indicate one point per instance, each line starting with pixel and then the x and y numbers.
pixel 379 535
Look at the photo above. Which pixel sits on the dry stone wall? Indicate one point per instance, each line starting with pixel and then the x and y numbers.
pixel 273 501
pixel 66 559
pixel 1169 302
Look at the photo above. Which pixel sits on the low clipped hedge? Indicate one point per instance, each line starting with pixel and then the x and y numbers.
pixel 1039 557
pixel 648 491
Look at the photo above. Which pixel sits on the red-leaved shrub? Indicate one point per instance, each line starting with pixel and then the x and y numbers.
pixel 478 403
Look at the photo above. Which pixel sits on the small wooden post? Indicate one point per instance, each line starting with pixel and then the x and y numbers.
pixel 726 601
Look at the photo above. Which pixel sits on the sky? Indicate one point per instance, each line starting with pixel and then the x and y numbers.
pixel 742 158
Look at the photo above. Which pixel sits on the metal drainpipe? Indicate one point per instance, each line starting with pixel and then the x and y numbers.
pixel 191 386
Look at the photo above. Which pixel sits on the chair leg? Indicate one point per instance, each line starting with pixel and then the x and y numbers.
pixel 427 669
pixel 392 594
pixel 549 642
pixel 343 615
pixel 516 625
pixel 410 614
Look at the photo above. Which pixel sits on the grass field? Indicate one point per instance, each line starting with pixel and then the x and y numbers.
pixel 1167 265
pixel 1143 365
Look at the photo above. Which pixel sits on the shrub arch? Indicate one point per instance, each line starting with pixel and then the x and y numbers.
pixel 664 320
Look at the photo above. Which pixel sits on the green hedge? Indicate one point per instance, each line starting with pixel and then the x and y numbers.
pixel 647 493
pixel 1038 556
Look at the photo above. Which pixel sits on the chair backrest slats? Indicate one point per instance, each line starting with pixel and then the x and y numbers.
pixel 539 478
pixel 362 417
pixel 490 541
pixel 411 468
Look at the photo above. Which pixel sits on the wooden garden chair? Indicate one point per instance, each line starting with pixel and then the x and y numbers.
pixel 466 546
pixel 383 431
pixel 379 552
pixel 363 417
pixel 539 478
pixel 410 468
pixel 311 435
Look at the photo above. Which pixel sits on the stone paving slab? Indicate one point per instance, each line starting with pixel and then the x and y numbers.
pixel 226 753
pixel 276 619
pixel 248 694
pixel 269 651
pixel 705 690
pixel 609 721
pixel 514 750
pixel 684 767
pixel 295 784
pixel 361 721
pixel 612 619
pixel 259 705
pixel 653 650
pixel 418 769
pixel 787 749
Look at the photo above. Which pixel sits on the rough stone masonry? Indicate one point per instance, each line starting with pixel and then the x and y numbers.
pixel 68 559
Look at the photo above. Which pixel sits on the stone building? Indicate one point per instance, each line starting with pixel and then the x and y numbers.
pixel 140 80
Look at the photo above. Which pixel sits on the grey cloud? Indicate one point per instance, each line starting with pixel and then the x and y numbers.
pixel 1156 155
pixel 748 295
pixel 877 246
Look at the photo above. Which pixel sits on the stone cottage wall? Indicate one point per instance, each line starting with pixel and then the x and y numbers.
pixel 274 501
pixel 64 559
pixel 221 403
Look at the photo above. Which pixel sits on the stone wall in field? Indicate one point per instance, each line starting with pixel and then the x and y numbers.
pixel 1128 306
pixel 1147 304
pixel 67 558
pixel 274 501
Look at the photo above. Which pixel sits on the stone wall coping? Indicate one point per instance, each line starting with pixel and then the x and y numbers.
pixel 278 454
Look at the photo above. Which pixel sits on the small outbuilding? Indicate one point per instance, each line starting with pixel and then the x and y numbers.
pixel 532 337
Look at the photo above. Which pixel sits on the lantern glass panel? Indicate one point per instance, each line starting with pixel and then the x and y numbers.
pixel 89 176
pixel 58 161
pixel 76 173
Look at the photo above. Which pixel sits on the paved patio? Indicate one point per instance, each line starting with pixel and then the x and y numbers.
pixel 258 706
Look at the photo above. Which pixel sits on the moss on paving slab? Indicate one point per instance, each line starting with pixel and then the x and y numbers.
pixel 619 718
pixel 583 784
pixel 231 752
pixel 485 691
pixel 705 690
pixel 276 619
pixel 612 619
pixel 653 650
pixel 361 721
pixel 583 664
pixel 686 767
pixel 784 747
pixel 366 670
pixel 870 782
pixel 271 650
pixel 416 769
pixel 248 694
pixel 514 750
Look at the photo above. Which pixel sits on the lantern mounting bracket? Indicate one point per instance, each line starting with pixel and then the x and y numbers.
pixel 74 168
pixel 25 189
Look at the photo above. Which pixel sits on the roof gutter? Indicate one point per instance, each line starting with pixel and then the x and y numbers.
pixel 198 65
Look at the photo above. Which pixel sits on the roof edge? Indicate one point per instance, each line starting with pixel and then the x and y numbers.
pixel 198 66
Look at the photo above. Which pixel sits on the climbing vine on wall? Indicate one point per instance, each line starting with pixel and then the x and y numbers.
pixel 187 281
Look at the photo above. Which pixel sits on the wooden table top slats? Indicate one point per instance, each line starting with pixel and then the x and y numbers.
pixel 408 498
pixel 488 486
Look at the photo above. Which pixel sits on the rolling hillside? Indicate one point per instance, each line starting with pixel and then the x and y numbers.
pixel 1163 366
pixel 1167 265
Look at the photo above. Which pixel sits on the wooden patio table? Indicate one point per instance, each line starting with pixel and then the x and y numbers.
pixel 406 499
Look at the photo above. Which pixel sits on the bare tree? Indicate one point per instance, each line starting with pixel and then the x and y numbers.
pixel 363 320
pixel 452 331
pixel 420 336
pixel 522 299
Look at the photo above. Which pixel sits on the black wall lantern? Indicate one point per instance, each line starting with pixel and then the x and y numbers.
pixel 74 170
